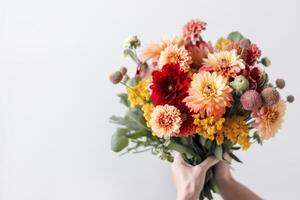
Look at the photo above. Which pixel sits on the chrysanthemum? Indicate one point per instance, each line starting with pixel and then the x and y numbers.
pixel 154 49
pixel 209 93
pixel 175 55
pixel 268 120
pixel 226 63
pixel 165 121
pixel 193 28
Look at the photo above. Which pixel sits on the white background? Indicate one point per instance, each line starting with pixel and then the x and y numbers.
pixel 55 97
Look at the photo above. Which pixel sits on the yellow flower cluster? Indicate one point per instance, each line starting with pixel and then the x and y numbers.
pixel 147 110
pixel 232 128
pixel 222 43
pixel 209 127
pixel 236 130
pixel 139 94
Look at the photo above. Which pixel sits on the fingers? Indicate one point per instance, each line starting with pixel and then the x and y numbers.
pixel 208 163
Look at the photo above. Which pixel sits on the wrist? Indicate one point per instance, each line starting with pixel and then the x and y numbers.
pixel 188 194
pixel 224 180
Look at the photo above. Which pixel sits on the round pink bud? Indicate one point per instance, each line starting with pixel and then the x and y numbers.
pixel 270 96
pixel 123 70
pixel 290 98
pixel 280 83
pixel 251 100
pixel 116 77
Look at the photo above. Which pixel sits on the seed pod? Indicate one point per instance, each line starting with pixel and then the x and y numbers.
pixel 280 83
pixel 270 96
pixel 116 77
pixel 245 43
pixel 290 98
pixel 123 70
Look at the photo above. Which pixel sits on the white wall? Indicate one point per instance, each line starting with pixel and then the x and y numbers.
pixel 55 97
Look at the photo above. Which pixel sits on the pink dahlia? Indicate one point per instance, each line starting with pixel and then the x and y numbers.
pixel 193 28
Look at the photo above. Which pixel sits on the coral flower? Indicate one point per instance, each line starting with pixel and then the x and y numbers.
pixel 209 94
pixel 165 121
pixel 154 49
pixel 226 63
pixel 268 120
pixel 175 55
pixel 193 28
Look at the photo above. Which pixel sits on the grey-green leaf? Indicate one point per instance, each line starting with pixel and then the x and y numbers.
pixel 119 140
pixel 124 99
pixel 235 36
pixel 218 152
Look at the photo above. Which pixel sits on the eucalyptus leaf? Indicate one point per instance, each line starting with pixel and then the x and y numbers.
pixel 235 36
pixel 119 140
pixel 137 134
pixel 124 99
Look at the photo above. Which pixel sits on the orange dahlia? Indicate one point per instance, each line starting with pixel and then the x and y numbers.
pixel 165 121
pixel 175 55
pixel 227 63
pixel 268 119
pixel 209 94
pixel 153 50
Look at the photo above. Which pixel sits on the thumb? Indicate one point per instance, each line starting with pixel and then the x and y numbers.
pixel 208 163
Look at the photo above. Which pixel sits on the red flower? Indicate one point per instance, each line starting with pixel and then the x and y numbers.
pixel 253 74
pixel 187 127
pixel 169 86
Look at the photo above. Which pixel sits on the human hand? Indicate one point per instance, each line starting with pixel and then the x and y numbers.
pixel 222 170
pixel 189 180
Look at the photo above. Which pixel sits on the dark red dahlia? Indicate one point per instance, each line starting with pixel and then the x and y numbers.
pixel 187 127
pixel 253 74
pixel 169 85
pixel 253 53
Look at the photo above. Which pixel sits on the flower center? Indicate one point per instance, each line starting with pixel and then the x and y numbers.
pixel 165 121
pixel 224 62
pixel 209 90
pixel 170 88
pixel 273 116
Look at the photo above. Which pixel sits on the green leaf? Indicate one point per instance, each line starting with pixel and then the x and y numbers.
pixel 202 141
pixel 133 81
pixel 257 138
pixel 131 54
pixel 265 61
pixel 137 134
pixel 235 36
pixel 234 157
pixel 124 99
pixel 171 144
pixel 218 152
pixel 208 144
pixel 133 120
pixel 119 140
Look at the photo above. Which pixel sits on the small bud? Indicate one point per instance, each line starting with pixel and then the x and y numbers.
pixel 132 42
pixel 123 70
pixel 270 96
pixel 245 43
pixel 240 84
pixel 290 98
pixel 116 77
pixel 266 61
pixel 280 83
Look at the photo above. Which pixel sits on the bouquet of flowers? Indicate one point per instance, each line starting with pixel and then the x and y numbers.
pixel 196 98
